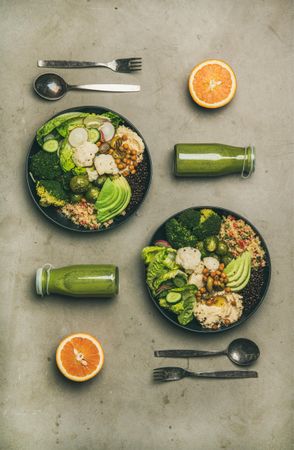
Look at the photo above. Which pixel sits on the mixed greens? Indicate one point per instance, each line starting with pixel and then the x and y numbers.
pixel 83 164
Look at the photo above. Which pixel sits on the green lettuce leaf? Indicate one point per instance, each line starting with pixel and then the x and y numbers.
pixel 65 157
pixel 148 253
pixel 49 126
pixel 168 276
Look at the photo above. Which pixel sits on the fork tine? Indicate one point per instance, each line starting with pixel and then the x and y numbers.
pixel 135 66
pixel 134 59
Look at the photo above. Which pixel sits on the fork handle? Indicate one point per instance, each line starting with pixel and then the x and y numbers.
pixel 224 374
pixel 60 64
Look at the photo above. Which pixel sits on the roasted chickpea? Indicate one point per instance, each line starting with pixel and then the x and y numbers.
pixel 125 145
pixel 121 166
pixel 133 172
pixel 221 266
pixel 133 158
pixel 124 137
pixel 125 160
pixel 218 272
pixel 212 274
pixel 117 161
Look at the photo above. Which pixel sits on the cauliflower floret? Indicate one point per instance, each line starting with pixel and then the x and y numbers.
pixel 197 279
pixel 211 263
pixel 92 174
pixel 199 268
pixel 84 155
pixel 188 258
pixel 105 164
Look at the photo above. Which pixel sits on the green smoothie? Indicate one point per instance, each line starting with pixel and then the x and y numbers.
pixel 88 280
pixel 212 160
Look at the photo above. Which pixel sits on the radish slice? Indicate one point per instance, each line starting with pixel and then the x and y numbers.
pixel 78 136
pixel 108 131
pixel 162 243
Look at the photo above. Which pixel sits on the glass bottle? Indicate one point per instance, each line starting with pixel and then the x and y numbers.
pixel 212 160
pixel 84 280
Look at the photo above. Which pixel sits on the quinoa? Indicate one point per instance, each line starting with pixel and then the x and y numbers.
pixel 82 214
pixel 239 236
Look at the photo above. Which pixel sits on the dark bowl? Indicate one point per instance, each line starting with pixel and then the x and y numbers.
pixel 52 213
pixel 195 326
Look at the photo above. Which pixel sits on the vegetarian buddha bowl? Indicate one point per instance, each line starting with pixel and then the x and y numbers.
pixel 207 269
pixel 88 169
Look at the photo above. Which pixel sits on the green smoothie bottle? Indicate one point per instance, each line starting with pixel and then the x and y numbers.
pixel 213 160
pixel 87 280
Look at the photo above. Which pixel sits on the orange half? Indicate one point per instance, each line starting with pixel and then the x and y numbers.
pixel 79 357
pixel 212 83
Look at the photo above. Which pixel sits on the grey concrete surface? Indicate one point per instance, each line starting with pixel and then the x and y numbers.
pixel 122 408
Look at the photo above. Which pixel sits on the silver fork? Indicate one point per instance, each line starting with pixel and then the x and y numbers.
pixel 177 373
pixel 125 65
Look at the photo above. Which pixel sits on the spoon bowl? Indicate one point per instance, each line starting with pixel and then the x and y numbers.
pixel 50 86
pixel 243 352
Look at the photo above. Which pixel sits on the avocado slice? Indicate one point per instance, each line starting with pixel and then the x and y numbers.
pixel 233 266
pixel 243 275
pixel 240 269
pixel 244 284
pixel 123 202
pixel 118 200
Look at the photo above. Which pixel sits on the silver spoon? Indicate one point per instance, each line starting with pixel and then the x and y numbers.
pixel 242 352
pixel 53 87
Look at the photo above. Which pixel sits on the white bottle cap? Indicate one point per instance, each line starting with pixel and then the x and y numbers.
pixel 39 276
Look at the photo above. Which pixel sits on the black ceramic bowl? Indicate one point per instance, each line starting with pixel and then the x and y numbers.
pixel 139 182
pixel 250 304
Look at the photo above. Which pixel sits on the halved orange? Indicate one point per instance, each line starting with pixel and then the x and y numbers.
pixel 212 83
pixel 79 357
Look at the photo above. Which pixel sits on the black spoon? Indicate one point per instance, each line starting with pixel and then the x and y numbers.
pixel 242 352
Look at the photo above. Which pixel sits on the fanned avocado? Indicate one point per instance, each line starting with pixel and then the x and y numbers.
pixel 113 199
pixel 233 266
pixel 238 283
pixel 244 284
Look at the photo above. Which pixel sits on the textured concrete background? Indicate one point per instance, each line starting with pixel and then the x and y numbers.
pixel 122 409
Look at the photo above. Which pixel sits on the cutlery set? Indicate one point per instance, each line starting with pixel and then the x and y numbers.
pixel 51 86
pixel 242 352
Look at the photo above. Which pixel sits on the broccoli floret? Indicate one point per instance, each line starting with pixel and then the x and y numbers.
pixel 45 166
pixel 51 193
pixel 210 223
pixel 189 218
pixel 178 235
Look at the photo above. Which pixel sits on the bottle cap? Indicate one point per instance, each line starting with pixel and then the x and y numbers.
pixel 39 276
pixel 39 279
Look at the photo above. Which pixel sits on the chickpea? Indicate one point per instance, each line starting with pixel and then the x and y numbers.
pixel 124 137
pixel 125 160
pixel 135 164
pixel 111 151
pixel 223 276
pixel 98 143
pixel 128 161
pixel 202 290
pixel 218 272
pixel 227 289
pixel 121 147
pixel 125 145
pixel 205 270
pixel 213 274
pixel 133 152
pixel 204 278
pixel 121 166
pixel 133 158
pixel 133 172
pixel 131 167
pixel 117 161
pixel 221 266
